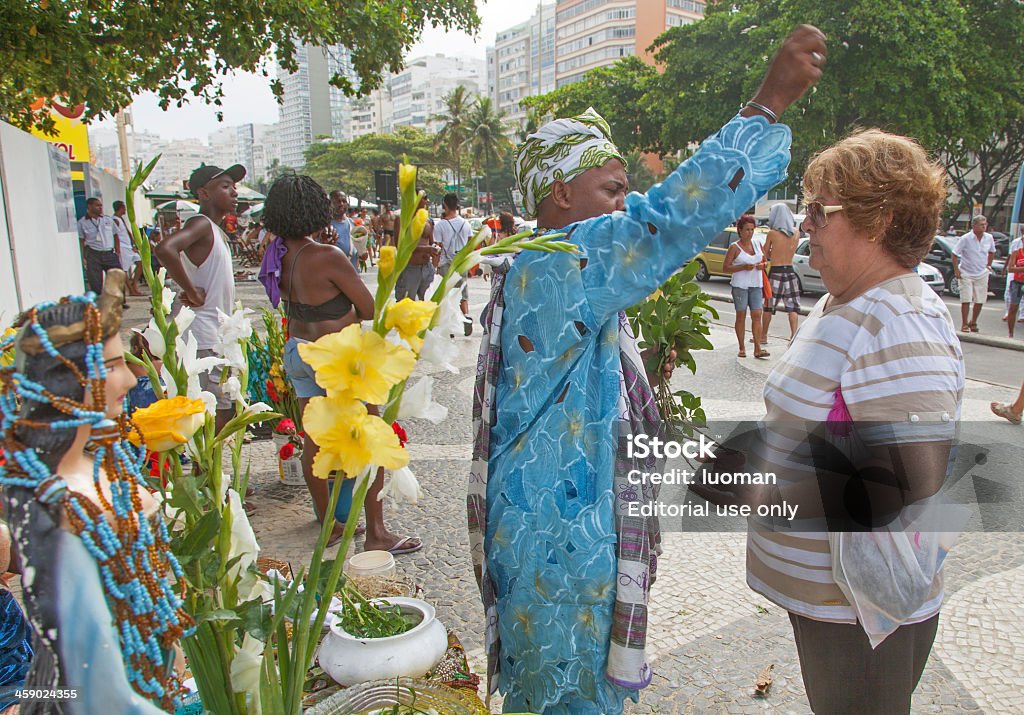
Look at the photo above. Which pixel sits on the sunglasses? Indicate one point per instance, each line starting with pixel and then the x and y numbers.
pixel 818 212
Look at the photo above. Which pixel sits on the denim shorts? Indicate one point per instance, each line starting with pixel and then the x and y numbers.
pixel 299 373
pixel 742 298
pixel 1016 290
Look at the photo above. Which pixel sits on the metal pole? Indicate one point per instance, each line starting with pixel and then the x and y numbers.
pixel 122 142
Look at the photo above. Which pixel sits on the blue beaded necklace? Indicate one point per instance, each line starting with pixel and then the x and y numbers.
pixel 143 581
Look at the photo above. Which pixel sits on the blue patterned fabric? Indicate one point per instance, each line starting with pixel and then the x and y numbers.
pixel 15 647
pixel 550 538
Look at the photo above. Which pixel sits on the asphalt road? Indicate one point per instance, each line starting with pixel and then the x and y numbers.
pixel 996 365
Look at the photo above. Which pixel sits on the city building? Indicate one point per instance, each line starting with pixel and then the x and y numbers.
pixel 418 91
pixel 372 114
pixel 178 160
pixel 224 147
pixel 522 62
pixel 597 33
pixel 312 107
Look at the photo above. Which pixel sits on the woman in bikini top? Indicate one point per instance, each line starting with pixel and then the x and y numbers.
pixel 322 294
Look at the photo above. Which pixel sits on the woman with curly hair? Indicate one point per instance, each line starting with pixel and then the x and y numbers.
pixel 322 294
pixel 878 364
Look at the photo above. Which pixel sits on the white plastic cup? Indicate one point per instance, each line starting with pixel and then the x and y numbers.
pixel 371 563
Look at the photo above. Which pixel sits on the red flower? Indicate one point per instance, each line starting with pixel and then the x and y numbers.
pixel 285 426
pixel 287 451
pixel 400 431
pixel 272 392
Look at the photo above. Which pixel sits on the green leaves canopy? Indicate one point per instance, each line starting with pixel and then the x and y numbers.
pixel 946 72
pixel 104 53
pixel 350 165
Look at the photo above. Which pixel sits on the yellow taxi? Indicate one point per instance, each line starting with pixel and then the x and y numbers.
pixel 710 260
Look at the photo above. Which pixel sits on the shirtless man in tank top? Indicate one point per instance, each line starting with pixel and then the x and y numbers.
pixel 198 259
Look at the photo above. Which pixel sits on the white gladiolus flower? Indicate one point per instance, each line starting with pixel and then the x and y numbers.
pixel 402 487
pixel 243 545
pixel 235 330
pixel 257 408
pixel 188 349
pixel 233 389
pixel 155 339
pixel 417 401
pixel 449 321
pixel 439 348
pixel 246 666
pixel 184 319
pixel 166 295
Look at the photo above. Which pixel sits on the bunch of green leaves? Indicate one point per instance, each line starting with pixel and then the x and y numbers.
pixel 369 619
pixel 675 317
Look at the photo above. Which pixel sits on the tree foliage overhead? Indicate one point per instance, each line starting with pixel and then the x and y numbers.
pixel 621 93
pixel 946 72
pixel 104 53
pixel 349 166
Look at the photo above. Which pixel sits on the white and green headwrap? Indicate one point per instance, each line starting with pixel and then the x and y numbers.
pixel 561 150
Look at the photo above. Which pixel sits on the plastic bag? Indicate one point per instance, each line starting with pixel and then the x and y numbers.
pixel 888 574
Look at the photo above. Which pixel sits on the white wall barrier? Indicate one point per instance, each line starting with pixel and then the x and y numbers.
pixel 40 257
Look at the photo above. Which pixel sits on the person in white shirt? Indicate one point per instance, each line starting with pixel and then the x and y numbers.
pixel 96 236
pixel 126 248
pixel 452 233
pixel 972 257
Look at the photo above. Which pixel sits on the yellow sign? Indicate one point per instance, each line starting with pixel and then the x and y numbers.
pixel 70 133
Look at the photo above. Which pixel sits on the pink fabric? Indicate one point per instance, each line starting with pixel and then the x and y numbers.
pixel 839 420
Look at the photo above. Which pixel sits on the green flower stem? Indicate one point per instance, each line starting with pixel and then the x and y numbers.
pixel 302 647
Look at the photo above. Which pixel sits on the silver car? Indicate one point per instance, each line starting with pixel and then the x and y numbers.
pixel 810 279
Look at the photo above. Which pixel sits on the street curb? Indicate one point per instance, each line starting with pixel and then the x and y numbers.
pixel 988 340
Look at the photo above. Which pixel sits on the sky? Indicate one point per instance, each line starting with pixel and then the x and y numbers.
pixel 248 97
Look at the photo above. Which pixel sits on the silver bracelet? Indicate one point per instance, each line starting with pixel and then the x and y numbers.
pixel 761 108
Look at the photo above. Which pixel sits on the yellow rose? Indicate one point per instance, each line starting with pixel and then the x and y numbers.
pixel 168 423
pixel 410 318
pixel 386 260
pixel 349 438
pixel 419 220
pixel 358 363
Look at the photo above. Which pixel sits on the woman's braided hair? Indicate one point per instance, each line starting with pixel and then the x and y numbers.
pixel 296 206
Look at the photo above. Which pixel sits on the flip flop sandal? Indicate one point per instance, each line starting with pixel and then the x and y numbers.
pixel 974 327
pixel 762 355
pixel 1004 411
pixel 741 353
pixel 406 545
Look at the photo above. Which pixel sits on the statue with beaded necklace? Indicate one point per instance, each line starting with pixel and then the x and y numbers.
pixel 102 590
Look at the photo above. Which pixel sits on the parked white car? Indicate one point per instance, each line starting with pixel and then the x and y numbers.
pixel 810 280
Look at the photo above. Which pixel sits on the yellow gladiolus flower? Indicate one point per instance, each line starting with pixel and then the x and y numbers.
pixel 358 363
pixel 386 260
pixel 406 177
pixel 410 318
pixel 419 220
pixel 168 423
pixel 349 438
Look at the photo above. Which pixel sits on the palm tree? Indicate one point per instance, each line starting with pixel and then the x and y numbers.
pixel 488 139
pixel 454 130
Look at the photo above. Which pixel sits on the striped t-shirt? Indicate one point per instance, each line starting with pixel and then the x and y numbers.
pixel 895 354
